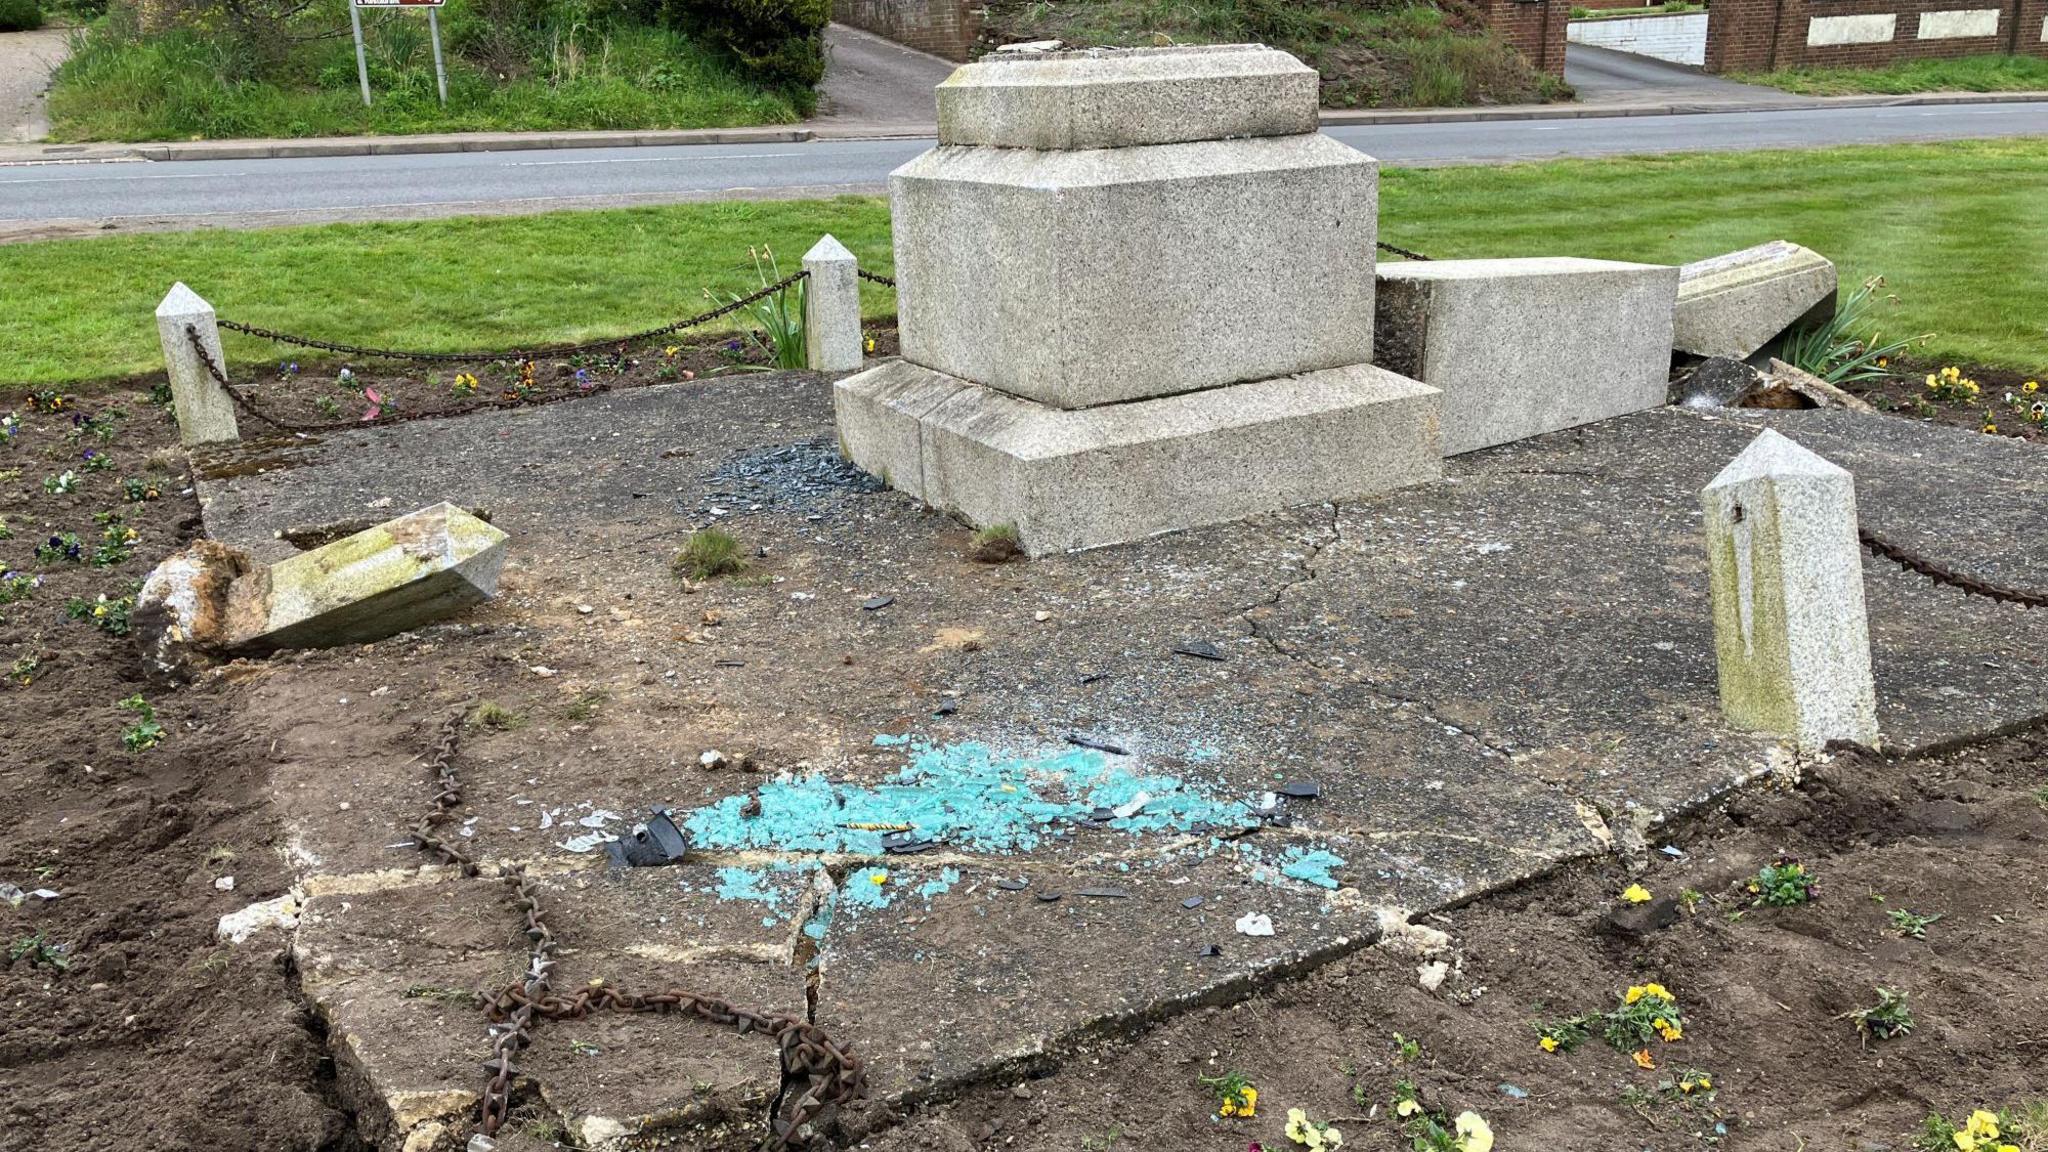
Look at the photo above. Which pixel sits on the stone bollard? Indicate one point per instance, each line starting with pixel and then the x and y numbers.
pixel 832 337
pixel 1790 631
pixel 205 411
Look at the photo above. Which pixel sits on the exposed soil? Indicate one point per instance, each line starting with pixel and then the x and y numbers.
pixel 2023 416
pixel 1764 993
pixel 154 1035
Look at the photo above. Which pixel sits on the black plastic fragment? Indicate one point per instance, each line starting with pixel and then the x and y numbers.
pixel 907 844
pixel 1082 740
pixel 1192 902
pixel 1199 649
pixel 876 603
pixel 1048 897
pixel 657 843
pixel 1013 885
pixel 1300 790
pixel 1106 893
pixel 1209 950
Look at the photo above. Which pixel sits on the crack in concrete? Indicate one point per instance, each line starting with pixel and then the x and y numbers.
pixel 1305 573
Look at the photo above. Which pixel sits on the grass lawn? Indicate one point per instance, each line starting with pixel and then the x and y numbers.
pixel 1989 73
pixel 182 85
pixel 1960 232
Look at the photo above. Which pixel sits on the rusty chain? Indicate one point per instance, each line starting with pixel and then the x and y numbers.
pixel 246 405
pixel 875 278
pixel 1884 549
pixel 1397 250
pixel 615 342
pixel 830 1074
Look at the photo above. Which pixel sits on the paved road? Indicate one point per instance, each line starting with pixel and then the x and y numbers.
pixel 48 198
pixel 1602 76
pixel 873 86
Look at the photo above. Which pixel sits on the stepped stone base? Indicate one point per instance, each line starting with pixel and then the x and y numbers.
pixel 1068 479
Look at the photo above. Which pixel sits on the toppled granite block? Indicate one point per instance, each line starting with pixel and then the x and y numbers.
pixel 210 601
pixel 1737 304
pixel 1521 347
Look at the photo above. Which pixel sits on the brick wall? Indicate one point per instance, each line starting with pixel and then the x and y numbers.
pixel 1760 35
pixel 945 28
pixel 1536 29
pixel 1680 39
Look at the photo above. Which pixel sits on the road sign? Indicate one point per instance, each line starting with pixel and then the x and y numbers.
pixel 355 21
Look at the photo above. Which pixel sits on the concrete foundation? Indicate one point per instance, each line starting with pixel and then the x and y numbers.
pixel 1737 304
pixel 1077 479
pixel 1527 346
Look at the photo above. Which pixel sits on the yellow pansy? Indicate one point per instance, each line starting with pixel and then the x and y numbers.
pixel 1245 1103
pixel 1404 1109
pixel 1548 1043
pixel 1636 894
pixel 1644 1060
pixel 1474 1135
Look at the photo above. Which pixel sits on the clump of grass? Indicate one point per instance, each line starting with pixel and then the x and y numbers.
pixel 496 717
pixel 709 552
pixel 584 706
pixel 1888 1019
pixel 995 544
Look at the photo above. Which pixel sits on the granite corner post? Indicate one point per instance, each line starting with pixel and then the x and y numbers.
pixel 1791 634
pixel 206 413
pixel 832 336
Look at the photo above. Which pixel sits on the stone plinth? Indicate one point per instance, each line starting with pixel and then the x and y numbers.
pixel 1527 346
pixel 1113 98
pixel 1790 631
pixel 1077 479
pixel 832 336
pixel 1736 304
pixel 1082 278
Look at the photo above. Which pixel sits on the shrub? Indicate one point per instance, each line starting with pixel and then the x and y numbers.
pixel 20 15
pixel 780 42
pixel 709 552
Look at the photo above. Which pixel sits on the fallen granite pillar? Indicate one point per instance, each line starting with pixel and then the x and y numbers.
pixel 206 413
pixel 1790 630
pixel 1737 304
pixel 1135 295
pixel 210 602
pixel 1521 347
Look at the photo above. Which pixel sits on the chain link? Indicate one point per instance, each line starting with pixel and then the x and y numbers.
pixel 1884 549
pixel 1397 250
pixel 875 278
pixel 367 352
pixel 827 1074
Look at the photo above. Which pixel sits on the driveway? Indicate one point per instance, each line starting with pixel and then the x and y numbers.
pixel 26 61
pixel 1604 76
pixel 876 87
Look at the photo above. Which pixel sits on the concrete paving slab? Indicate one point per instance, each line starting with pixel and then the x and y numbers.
pixel 1469 673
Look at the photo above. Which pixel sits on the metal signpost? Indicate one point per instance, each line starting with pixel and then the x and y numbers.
pixel 433 7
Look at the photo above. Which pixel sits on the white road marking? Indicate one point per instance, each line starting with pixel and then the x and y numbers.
pixel 652 160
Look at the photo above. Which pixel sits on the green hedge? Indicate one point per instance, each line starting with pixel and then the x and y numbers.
pixel 779 42
pixel 20 15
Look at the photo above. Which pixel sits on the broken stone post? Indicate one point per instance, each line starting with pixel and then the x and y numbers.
pixel 209 602
pixel 832 339
pixel 205 411
pixel 1790 631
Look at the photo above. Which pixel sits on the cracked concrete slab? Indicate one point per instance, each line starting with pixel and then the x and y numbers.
pixel 1468 674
